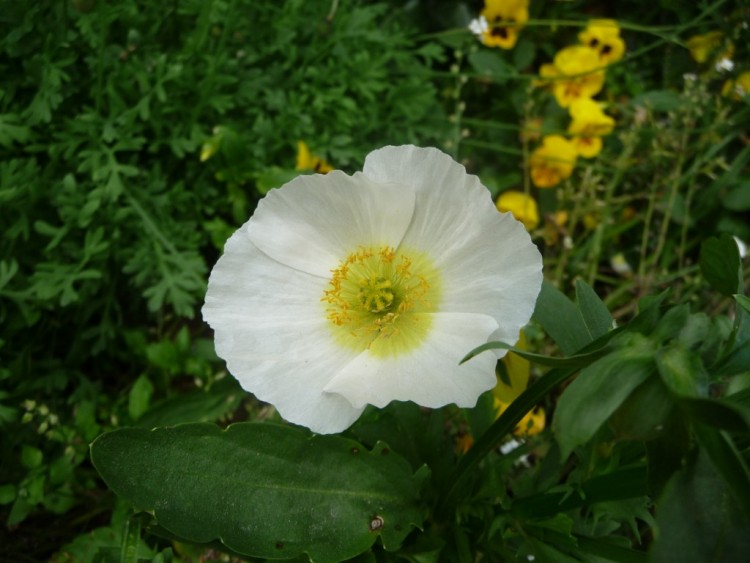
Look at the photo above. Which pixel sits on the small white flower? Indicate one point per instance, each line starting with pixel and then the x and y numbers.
pixel 741 247
pixel 509 446
pixel 479 26
pixel 343 291
pixel 724 65
pixel 620 264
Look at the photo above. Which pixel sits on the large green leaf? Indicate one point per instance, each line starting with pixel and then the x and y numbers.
pixel 598 391
pixel 263 490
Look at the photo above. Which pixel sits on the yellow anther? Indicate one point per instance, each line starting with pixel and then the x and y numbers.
pixel 374 295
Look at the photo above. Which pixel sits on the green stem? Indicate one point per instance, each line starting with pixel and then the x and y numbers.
pixel 629 142
pixel 492 146
pixel 527 108
pixel 332 11
pixel 674 182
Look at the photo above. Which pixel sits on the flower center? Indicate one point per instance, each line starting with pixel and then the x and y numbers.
pixel 378 299
pixel 376 294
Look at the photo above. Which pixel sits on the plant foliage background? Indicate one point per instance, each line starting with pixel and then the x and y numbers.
pixel 136 136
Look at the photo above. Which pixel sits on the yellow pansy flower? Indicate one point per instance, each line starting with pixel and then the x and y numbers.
pixel 553 162
pixel 590 221
pixel 531 131
pixel 308 161
pixel 503 395
pixel 464 442
pixel 554 227
pixel 522 206
pixel 707 46
pixel 604 37
pixel 738 88
pixel 589 123
pixel 500 22
pixel 576 72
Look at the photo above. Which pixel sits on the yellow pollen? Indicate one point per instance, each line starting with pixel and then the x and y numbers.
pixel 379 299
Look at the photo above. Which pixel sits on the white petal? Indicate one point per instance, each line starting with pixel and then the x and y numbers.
pixel 315 221
pixel 271 329
pixel 488 261
pixel 431 375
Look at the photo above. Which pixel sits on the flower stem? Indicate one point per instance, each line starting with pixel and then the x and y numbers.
pixel 629 143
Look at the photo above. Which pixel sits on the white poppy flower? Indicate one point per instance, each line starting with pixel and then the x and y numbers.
pixel 343 291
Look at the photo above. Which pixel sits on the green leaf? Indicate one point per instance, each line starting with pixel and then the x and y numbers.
pixel 200 405
pixel 723 415
pixel 649 313
pixel 13 130
pixel 624 483
pixel 578 360
pixel 720 264
pixel 659 100
pixel 738 361
pixel 729 462
pixel 490 63
pixel 274 177
pixel 523 54
pixel 607 548
pixel 561 320
pixel 643 414
pixel 743 301
pixel 682 371
pixel 671 324
pixel 595 314
pixel 140 397
pixel 31 457
pixel 698 519
pixel 546 553
pixel 738 198
pixel 263 490
pixel 666 452
pixel 598 391
pixel 7 493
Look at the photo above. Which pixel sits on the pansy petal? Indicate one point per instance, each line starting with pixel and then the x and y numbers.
pixel 312 222
pixel 271 329
pixel 430 375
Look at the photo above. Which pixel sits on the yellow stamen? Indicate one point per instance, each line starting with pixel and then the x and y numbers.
pixel 378 299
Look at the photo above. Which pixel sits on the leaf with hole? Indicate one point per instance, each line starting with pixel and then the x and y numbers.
pixel 263 490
